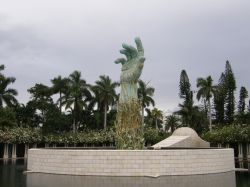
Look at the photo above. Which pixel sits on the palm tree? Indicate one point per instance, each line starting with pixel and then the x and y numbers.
pixel 188 113
pixel 105 94
pixel 157 115
pixel 40 92
pixel 59 86
pixel 41 98
pixel 145 94
pixel 76 96
pixel 7 95
pixel 206 91
pixel 172 122
pixel 191 115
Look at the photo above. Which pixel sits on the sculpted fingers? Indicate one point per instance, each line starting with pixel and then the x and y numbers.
pixel 142 59
pixel 135 55
pixel 126 53
pixel 120 60
pixel 139 46
pixel 133 51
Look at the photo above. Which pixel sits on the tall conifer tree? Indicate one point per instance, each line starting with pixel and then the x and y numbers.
pixel 230 86
pixel 243 96
pixel 219 100
pixel 185 87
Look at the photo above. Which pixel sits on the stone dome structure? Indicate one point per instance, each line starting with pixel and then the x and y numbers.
pixel 183 137
pixel 185 131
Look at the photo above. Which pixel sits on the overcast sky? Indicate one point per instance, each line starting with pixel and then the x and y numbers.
pixel 42 39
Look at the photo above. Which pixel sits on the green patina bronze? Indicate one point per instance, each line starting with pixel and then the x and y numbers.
pixel 129 132
pixel 131 70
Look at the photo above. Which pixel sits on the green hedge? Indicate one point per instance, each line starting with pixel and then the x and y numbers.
pixel 88 137
pixel 153 136
pixel 20 135
pixel 228 134
pixel 29 135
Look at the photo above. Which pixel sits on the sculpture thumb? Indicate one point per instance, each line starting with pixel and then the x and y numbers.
pixel 142 59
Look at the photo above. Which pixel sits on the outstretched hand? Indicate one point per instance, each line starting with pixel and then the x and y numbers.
pixel 131 70
pixel 134 57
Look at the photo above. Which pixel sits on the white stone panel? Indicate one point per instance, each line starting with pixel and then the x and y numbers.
pixel 131 162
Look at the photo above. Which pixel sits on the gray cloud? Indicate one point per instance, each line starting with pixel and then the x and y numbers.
pixel 42 39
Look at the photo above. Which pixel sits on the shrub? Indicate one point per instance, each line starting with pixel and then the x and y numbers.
pixel 153 136
pixel 29 135
pixel 228 134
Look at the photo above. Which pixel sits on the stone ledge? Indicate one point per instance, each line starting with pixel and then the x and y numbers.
pixel 131 162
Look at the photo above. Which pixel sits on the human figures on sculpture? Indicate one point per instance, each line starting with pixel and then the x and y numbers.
pixel 131 70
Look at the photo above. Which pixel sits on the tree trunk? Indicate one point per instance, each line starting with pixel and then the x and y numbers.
pixel 1 103
pixel 156 125
pixel 74 126
pixel 249 106
pixel 74 120
pixel 43 118
pixel 142 116
pixel 210 115
pixel 172 128
pixel 205 106
pixel 75 112
pixel 105 116
pixel 60 102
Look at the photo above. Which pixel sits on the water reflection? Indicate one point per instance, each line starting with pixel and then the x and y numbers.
pixel 243 179
pixel 211 180
pixel 11 173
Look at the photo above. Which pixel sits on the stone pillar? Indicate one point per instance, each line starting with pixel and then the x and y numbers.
pixel 219 145
pixel 227 145
pixel 248 155
pixel 248 151
pixel 6 151
pixel 240 151
pixel 240 155
pixel 26 147
pixel 13 153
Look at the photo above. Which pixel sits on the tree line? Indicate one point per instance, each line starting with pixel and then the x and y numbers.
pixel 218 103
pixel 80 105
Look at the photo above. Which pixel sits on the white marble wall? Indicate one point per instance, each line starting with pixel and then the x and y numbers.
pixel 131 162
pixel 210 180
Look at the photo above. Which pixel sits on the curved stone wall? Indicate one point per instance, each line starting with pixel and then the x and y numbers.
pixel 210 180
pixel 131 162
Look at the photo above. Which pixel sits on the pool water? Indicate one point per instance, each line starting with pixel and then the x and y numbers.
pixel 11 175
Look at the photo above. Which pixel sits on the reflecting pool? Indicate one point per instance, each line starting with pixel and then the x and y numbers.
pixel 11 175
